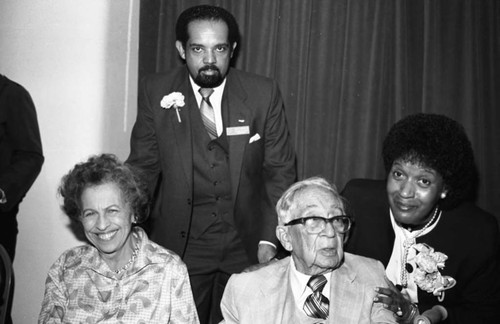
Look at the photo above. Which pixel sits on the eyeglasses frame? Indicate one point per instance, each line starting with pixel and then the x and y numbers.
pixel 303 220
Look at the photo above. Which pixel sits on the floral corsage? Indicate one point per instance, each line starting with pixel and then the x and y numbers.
pixel 174 99
pixel 427 275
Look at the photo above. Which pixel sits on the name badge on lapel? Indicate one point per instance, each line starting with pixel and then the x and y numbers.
pixel 238 130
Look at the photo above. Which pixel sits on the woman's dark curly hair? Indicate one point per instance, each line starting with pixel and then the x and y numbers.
pixel 101 169
pixel 206 12
pixel 436 142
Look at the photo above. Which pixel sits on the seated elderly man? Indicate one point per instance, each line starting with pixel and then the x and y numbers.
pixel 319 283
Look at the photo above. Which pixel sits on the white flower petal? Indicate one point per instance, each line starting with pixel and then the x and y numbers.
pixel 173 99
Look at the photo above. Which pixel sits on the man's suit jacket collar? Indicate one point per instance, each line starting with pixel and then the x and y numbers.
pixel 345 291
pixel 235 113
pixel 2 81
pixel 238 113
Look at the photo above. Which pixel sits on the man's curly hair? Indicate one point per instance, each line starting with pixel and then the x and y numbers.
pixel 436 142
pixel 206 12
pixel 102 169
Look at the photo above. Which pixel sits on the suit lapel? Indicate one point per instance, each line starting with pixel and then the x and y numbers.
pixel 182 130
pixel 277 290
pixel 3 82
pixel 238 114
pixel 347 295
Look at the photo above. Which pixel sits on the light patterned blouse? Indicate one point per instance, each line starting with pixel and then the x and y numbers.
pixel 81 288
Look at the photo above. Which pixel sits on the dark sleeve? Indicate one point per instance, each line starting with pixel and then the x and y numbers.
pixel 144 152
pixel 479 300
pixel 21 155
pixel 279 161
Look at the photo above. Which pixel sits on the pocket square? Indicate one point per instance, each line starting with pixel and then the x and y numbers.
pixel 254 138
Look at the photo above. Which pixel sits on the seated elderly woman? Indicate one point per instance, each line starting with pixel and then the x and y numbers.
pixel 319 283
pixel 119 275
pixel 440 250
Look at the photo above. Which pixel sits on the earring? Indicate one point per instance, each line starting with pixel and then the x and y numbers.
pixel 443 195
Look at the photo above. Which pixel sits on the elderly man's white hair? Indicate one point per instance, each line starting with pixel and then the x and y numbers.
pixel 287 202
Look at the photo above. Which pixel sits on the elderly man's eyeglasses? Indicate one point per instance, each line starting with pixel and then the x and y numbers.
pixel 316 224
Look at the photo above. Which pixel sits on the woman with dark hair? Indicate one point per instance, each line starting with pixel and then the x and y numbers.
pixel 120 275
pixel 439 249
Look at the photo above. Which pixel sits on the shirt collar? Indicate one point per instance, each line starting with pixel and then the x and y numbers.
pixel 298 282
pixel 393 269
pixel 216 96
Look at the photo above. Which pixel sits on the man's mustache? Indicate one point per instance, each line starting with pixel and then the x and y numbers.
pixel 209 67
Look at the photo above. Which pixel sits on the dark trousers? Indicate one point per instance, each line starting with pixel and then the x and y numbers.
pixel 8 238
pixel 211 259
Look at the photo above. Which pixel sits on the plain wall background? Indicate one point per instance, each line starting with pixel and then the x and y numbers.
pixel 78 60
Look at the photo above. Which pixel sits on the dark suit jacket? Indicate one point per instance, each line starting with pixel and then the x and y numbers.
pixel 467 235
pixel 260 171
pixel 265 295
pixel 21 156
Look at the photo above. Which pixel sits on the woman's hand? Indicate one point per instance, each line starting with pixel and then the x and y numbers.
pixel 397 302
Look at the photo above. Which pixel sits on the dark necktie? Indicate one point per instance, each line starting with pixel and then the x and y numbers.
pixel 207 112
pixel 316 305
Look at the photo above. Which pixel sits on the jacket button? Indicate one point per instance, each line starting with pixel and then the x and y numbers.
pixel 183 234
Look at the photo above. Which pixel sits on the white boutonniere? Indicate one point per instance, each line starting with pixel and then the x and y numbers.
pixel 174 99
pixel 427 275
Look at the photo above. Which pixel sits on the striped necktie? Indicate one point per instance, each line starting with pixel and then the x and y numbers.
pixel 316 305
pixel 207 112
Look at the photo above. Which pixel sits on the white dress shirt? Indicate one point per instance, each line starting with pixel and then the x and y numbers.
pixel 393 270
pixel 300 289
pixel 215 100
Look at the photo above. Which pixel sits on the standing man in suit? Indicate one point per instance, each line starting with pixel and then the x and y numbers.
pixel 214 144
pixel 319 283
pixel 21 157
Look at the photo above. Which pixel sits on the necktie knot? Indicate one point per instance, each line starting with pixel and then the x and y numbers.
pixel 316 305
pixel 206 92
pixel 317 283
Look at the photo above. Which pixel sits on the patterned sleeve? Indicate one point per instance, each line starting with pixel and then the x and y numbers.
pixel 54 300
pixel 183 306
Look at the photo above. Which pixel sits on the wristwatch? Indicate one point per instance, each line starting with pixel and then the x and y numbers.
pixel 3 198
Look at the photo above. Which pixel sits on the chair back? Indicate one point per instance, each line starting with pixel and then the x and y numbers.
pixel 5 282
